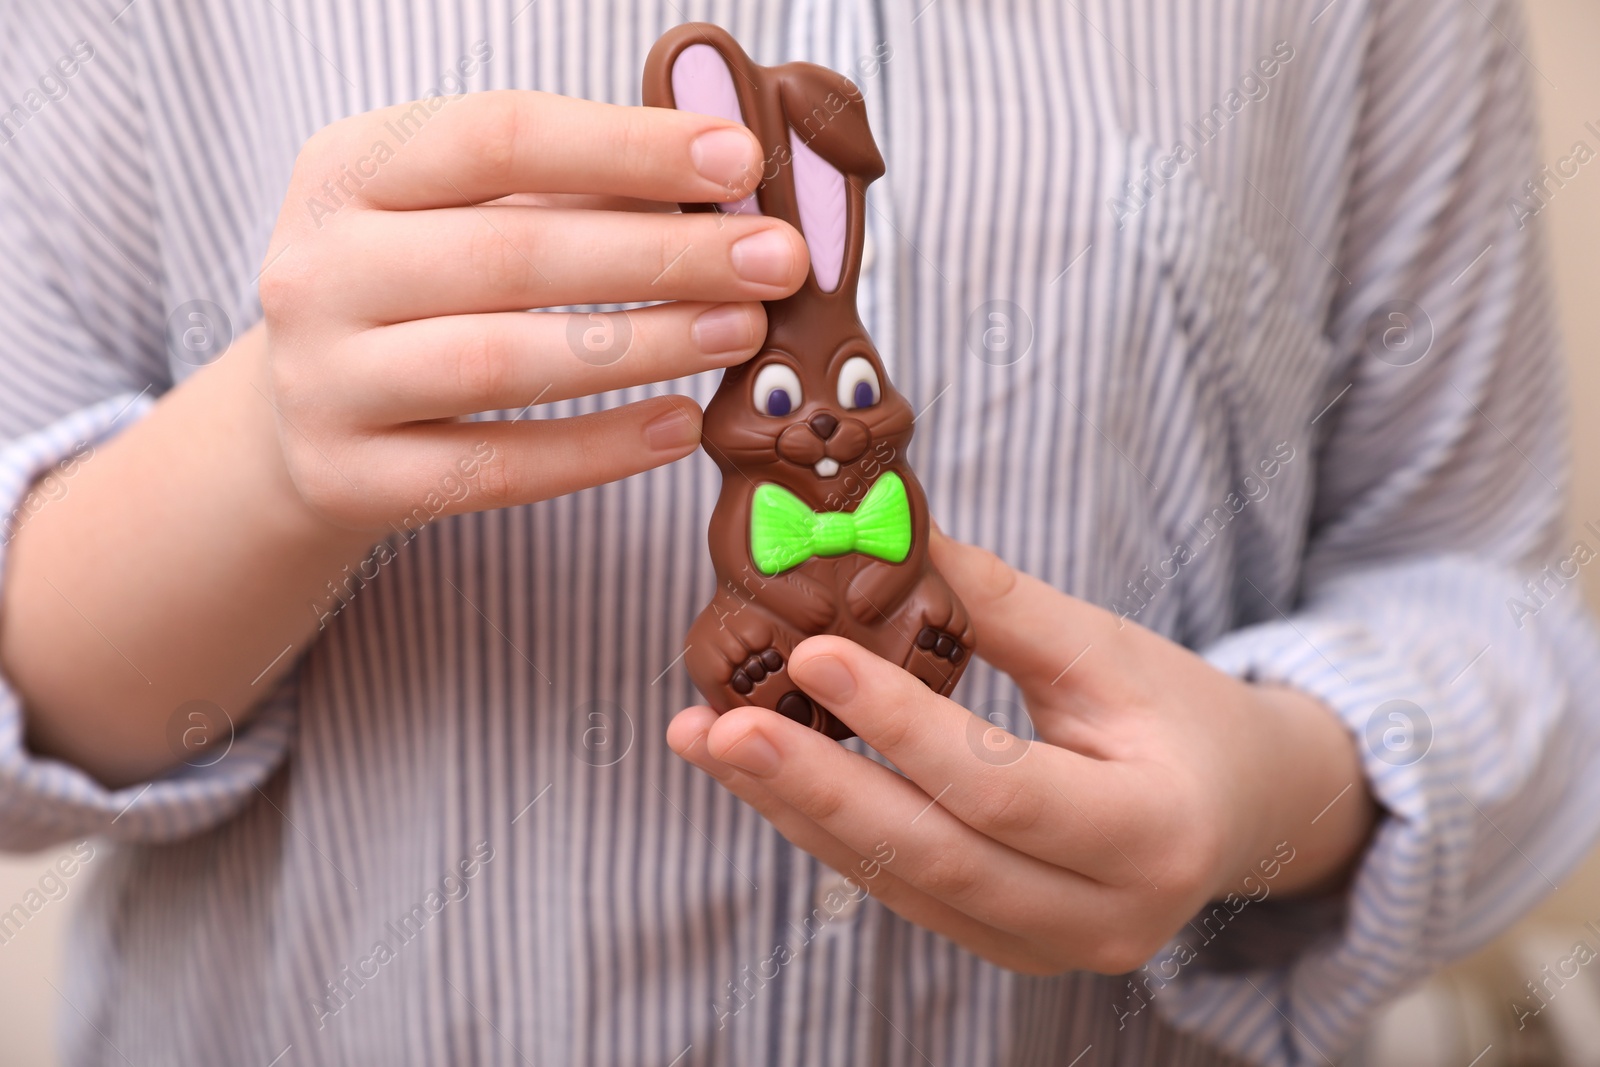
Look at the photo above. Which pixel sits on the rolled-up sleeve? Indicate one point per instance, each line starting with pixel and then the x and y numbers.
pixel 83 356
pixel 1440 614
pixel 43 801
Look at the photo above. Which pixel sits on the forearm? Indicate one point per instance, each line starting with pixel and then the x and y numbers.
pixel 178 565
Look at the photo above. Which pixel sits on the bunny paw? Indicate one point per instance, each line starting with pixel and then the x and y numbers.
pixel 754 670
pixel 934 657
pixel 761 666
pixel 941 644
pixel 807 712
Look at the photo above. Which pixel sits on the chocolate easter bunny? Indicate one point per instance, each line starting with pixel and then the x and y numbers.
pixel 821 527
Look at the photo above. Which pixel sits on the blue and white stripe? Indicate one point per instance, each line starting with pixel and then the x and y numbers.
pixel 1174 348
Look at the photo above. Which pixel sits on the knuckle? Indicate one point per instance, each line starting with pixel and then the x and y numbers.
pixel 285 284
pixel 951 876
pixel 494 478
pixel 673 246
pixel 482 370
pixel 893 732
pixel 821 802
pixel 487 254
pixel 334 137
pixel 1008 806
pixel 321 146
pixel 503 127
pixel 500 127
pixel 319 160
pixel 896 701
pixel 495 261
pixel 995 576
pixel 633 143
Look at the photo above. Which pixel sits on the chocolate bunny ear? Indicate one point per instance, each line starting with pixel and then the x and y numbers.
pixel 817 149
pixel 833 159
pixel 700 67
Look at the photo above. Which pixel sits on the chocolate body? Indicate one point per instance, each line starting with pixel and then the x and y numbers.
pixel 821 526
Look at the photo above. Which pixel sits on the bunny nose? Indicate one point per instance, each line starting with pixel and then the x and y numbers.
pixel 824 424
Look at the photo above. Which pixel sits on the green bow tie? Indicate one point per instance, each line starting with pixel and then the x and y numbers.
pixel 785 532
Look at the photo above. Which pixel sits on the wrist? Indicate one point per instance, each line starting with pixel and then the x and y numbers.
pixel 186 543
pixel 1314 812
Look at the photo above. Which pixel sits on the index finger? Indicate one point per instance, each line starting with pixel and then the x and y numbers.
pixel 448 151
pixel 1031 630
pixel 1054 804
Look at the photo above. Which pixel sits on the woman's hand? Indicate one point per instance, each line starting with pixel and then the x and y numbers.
pixel 1157 783
pixel 393 288
pixel 413 238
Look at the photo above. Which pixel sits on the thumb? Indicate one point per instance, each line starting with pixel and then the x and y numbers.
pixel 1027 628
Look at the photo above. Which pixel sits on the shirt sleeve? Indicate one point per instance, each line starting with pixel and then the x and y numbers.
pixel 1439 614
pixel 82 356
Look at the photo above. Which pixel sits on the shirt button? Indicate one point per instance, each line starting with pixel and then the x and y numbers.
pixel 836 898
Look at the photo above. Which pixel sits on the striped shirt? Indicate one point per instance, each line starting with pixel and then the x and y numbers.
pixel 1230 315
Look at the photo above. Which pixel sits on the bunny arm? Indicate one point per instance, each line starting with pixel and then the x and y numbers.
pixel 813 611
pixel 811 607
pixel 874 593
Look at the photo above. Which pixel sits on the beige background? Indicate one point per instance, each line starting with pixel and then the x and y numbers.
pixel 1566 39
pixel 1566 52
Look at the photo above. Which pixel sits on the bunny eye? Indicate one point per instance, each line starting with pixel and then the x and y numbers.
pixel 858 383
pixel 777 390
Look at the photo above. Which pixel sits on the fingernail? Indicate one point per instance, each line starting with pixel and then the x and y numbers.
pixel 826 678
pixel 766 258
pixel 753 754
pixel 671 432
pixel 723 156
pixel 723 329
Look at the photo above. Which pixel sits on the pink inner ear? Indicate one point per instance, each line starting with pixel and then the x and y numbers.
pixel 702 83
pixel 819 193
